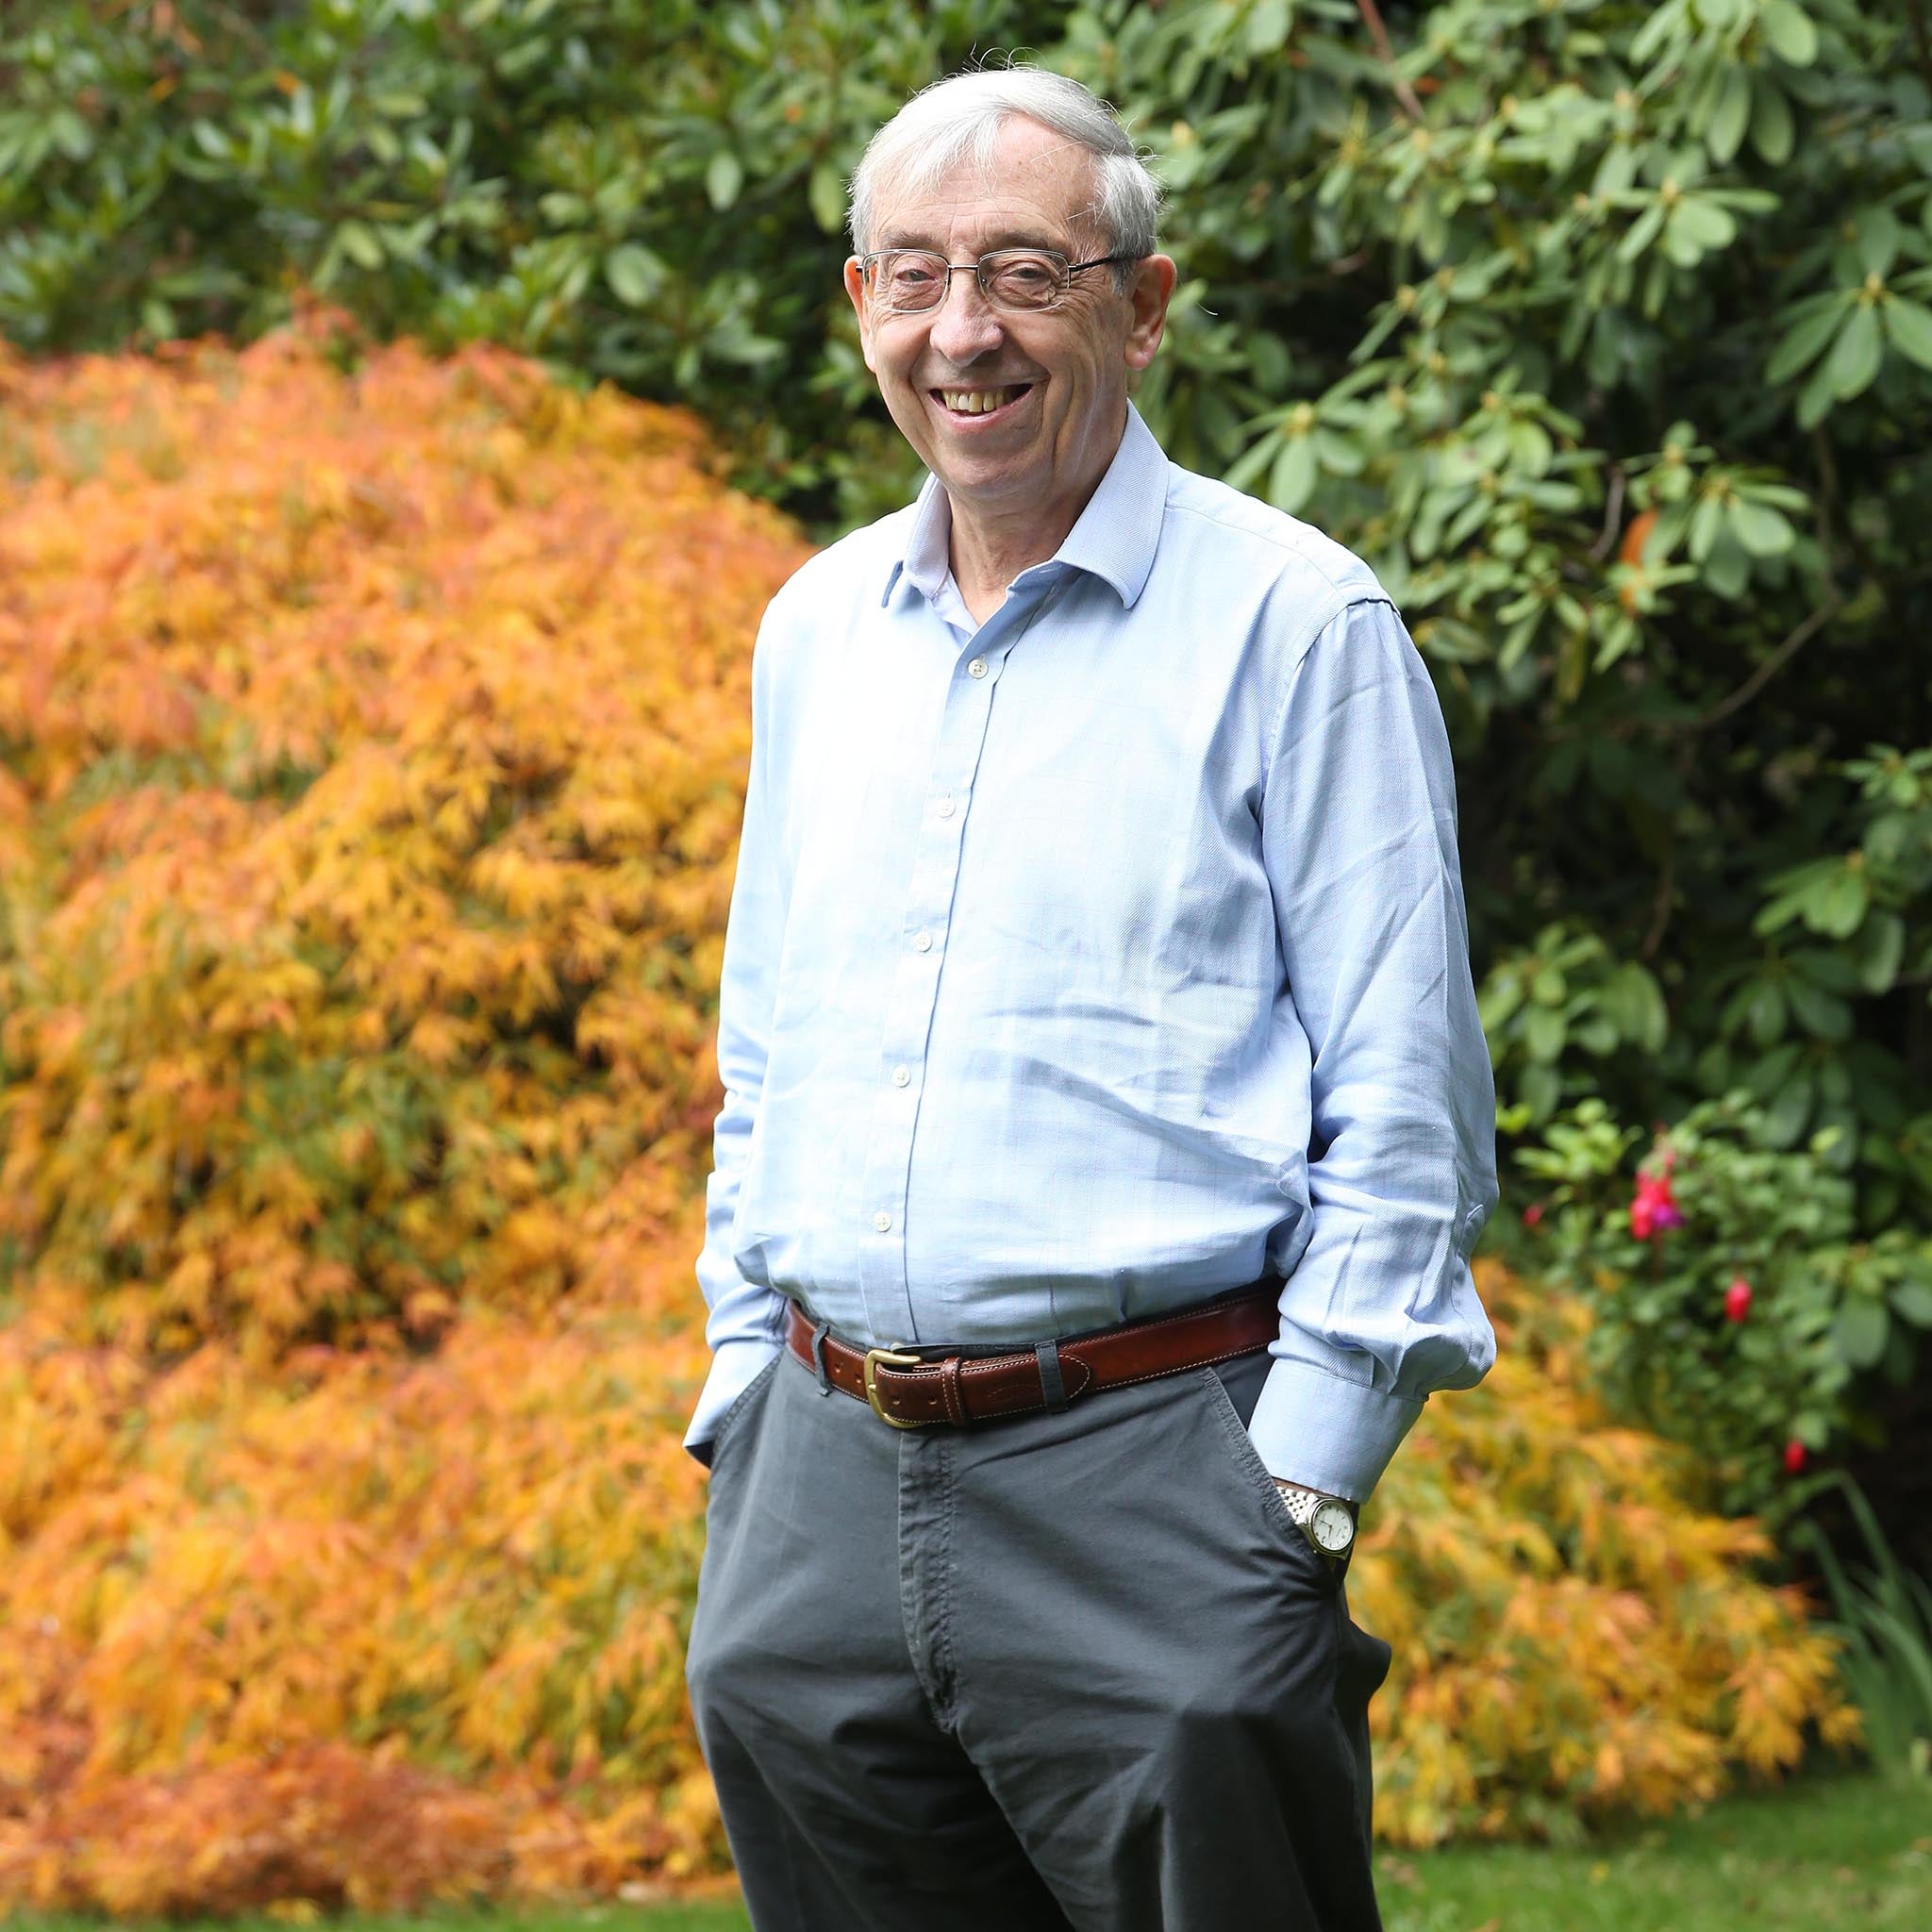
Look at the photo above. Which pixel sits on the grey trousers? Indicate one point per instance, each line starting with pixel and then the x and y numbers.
pixel 1074 1670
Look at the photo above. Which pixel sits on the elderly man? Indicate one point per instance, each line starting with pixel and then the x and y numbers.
pixel 1107 1121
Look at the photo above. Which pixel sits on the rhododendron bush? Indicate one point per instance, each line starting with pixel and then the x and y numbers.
pixel 372 738
pixel 1734 1302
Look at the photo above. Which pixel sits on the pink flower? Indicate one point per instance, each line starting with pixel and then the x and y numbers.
pixel 1737 1299
pixel 1654 1208
pixel 1532 1214
pixel 1794 1456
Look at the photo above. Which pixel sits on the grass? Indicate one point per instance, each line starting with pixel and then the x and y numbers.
pixel 1885 1622
pixel 1852 1853
pixel 1848 1851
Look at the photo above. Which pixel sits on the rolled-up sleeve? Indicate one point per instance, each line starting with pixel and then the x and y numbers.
pixel 1359 838
pixel 745 1324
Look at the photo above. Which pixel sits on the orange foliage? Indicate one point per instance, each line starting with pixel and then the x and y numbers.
pixel 1572 1639
pixel 368 851
pixel 1631 549
pixel 372 749
pixel 367 1632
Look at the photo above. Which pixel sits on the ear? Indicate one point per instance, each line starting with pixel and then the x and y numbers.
pixel 1149 291
pixel 855 287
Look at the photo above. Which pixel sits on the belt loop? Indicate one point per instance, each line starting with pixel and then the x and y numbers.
pixel 818 1356
pixel 1048 1355
pixel 949 1391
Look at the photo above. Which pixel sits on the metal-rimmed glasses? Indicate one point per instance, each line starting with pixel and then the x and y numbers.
pixel 906 281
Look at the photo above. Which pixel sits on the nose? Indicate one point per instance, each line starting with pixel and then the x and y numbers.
pixel 964 325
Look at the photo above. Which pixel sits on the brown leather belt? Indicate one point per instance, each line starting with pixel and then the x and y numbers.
pixel 910 1390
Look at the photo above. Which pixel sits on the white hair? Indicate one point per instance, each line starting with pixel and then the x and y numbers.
pixel 962 117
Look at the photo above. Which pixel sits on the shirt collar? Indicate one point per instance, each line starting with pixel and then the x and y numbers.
pixel 1115 537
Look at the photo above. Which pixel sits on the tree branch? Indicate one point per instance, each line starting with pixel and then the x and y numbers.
pixel 1613 510
pixel 1371 17
pixel 1795 643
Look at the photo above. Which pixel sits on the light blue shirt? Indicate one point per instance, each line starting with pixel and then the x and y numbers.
pixel 1093 960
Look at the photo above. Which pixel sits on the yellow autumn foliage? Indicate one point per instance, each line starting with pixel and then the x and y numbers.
pixel 1572 1639
pixel 368 841
pixel 450 1594
pixel 371 747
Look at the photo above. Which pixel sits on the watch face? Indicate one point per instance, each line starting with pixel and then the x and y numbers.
pixel 1333 1526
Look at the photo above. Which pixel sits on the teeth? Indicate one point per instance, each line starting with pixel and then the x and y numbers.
pixel 977 402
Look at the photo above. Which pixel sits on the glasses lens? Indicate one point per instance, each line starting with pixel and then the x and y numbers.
pixel 911 279
pixel 1023 278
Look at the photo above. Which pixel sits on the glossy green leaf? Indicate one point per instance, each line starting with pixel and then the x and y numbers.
pixel 635 273
pixel 1725 132
pixel 1543 1033
pixel 724 178
pixel 1707 224
pixel 1788 31
pixel 1881 951
pixel 1837 900
pixel 1643 232
pixel 359 242
pixel 1297 469
pixel 1818 1013
pixel 1803 343
pixel 1761 530
pixel 1859 1331
pixel 1785 1118
pixel 1909 327
pixel 1854 356
pixel 1772 131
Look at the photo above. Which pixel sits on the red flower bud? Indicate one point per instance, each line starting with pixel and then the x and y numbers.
pixel 1737 1299
pixel 1654 1208
pixel 1532 1214
pixel 1794 1456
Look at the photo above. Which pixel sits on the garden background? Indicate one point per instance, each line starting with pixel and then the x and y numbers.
pixel 405 412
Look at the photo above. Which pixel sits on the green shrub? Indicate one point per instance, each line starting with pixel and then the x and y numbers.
pixel 1733 1303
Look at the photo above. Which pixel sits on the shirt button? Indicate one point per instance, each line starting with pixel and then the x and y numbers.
pixel 882 1220
pixel 977 667
pixel 945 806
pixel 901 1075
pixel 921 941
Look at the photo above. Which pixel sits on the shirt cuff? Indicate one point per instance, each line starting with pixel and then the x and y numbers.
pixel 1314 1429
pixel 734 1366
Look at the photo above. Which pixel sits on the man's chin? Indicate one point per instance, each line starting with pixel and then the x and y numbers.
pixel 986 476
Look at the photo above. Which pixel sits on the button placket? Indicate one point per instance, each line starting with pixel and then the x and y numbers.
pixel 965 718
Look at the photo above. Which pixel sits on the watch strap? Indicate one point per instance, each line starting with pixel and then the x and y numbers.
pixel 1302 1503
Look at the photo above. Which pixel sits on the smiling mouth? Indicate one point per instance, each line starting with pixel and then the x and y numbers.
pixel 970 405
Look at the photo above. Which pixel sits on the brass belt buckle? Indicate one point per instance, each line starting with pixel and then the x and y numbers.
pixel 892 1359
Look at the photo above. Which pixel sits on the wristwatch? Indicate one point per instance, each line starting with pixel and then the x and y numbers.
pixel 1327 1522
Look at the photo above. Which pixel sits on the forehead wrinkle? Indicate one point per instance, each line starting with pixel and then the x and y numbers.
pixel 999 238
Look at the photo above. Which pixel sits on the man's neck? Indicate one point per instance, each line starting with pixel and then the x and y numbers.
pixel 987 556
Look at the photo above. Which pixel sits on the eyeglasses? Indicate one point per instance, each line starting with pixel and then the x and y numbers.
pixel 904 281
